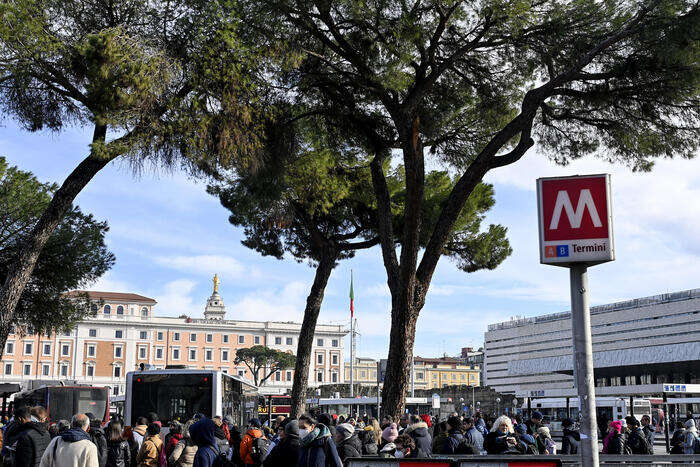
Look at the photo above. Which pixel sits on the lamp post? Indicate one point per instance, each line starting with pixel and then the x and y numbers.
pixel 498 406
pixel 461 405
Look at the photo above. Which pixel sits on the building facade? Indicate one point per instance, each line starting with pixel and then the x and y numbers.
pixel 126 332
pixel 637 343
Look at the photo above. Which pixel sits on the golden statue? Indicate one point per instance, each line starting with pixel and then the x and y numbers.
pixel 216 283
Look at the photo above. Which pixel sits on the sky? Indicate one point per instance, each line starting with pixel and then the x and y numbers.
pixel 170 237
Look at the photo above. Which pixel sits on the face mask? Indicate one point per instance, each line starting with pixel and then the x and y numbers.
pixel 398 454
pixel 303 433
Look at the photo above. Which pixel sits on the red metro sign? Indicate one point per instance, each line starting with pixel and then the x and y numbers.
pixel 575 220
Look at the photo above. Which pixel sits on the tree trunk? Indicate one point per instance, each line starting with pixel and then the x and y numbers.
pixel 306 334
pixel 22 268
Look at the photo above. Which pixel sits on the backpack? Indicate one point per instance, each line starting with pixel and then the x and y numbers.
pixel 221 460
pixel 465 446
pixel 638 443
pixel 259 448
pixel 696 445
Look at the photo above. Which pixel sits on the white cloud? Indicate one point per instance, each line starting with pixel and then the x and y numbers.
pixel 108 283
pixel 175 298
pixel 271 303
pixel 226 267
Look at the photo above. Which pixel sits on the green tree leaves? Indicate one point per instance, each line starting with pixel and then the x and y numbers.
pixel 263 361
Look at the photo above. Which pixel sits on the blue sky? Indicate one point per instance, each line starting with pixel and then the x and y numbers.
pixel 170 237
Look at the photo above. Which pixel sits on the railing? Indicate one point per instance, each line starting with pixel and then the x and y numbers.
pixel 530 461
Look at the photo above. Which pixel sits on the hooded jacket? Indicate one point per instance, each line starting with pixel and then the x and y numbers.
pixel 369 443
pixel 285 453
pixel 388 450
pixel 118 453
pixel 421 436
pixel 150 451
pixel 247 445
pixel 72 448
pixel 140 434
pixel 183 453
pixel 317 449
pixel 31 444
pixel 349 447
pixel 570 441
pixel 97 436
pixel 202 434
pixel 449 446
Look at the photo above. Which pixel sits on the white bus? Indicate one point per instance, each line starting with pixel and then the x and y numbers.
pixel 179 394
pixel 611 408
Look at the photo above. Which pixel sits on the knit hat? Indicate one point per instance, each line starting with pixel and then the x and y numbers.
pixel 345 429
pixel 292 428
pixel 616 425
pixel 690 423
pixel 390 433
pixel 544 431
pixel 536 415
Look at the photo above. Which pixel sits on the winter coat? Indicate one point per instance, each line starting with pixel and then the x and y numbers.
pixel 350 447
pixel 221 438
pixel 284 454
pixel 149 453
pixel 454 437
pixel 72 448
pixel 649 433
pixel 317 449
pixel 570 441
pixel 247 445
pixel 140 434
pixel 419 433
pixel 31 444
pixel 183 453
pixel 387 450
pixel 171 440
pixel 118 454
pixel 97 436
pixel 677 441
pixel 689 443
pixel 637 442
pixel 202 434
pixel 133 451
pixel 475 439
pixel 616 444
pixel 369 443
pixel 496 443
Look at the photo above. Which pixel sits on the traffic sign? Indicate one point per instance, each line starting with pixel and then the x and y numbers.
pixel 575 220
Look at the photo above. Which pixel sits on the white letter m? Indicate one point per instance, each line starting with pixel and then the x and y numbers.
pixel 585 200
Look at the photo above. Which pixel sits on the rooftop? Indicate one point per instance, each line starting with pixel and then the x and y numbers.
pixel 118 296
pixel 617 306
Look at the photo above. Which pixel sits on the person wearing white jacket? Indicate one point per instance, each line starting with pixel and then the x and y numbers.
pixel 73 447
pixel 691 435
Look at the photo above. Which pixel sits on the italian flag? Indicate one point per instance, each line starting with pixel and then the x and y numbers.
pixel 352 297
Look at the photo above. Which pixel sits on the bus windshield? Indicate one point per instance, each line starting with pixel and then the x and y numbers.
pixel 171 396
pixel 64 402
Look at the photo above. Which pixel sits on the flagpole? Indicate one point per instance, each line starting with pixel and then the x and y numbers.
pixel 352 340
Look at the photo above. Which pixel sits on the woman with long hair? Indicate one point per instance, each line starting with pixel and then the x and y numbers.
pixel 118 450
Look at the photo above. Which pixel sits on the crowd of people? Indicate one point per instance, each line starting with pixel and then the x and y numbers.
pixel 310 441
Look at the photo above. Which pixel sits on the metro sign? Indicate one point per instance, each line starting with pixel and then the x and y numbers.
pixel 575 220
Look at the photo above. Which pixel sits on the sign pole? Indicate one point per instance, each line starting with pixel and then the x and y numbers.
pixel 583 363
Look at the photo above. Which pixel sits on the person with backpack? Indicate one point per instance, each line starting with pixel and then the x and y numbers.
pixel 316 446
pixel 254 445
pixel 418 430
pixel 286 452
pixel 543 434
pixel 677 439
pixel 526 442
pixel 614 442
pixel 570 439
pixel 636 441
pixel 97 436
pixel 149 454
pixel 454 436
pixel 202 434
pixel 33 440
pixel 222 435
pixel 118 449
pixel 691 444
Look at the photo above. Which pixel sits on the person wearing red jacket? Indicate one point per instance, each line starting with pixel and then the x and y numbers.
pixel 253 432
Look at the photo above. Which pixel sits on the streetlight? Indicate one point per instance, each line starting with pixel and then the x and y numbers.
pixel 498 406
pixel 461 405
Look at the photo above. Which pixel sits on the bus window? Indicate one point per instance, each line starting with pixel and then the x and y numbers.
pixel 178 397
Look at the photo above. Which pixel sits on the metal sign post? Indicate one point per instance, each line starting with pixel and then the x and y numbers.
pixel 575 224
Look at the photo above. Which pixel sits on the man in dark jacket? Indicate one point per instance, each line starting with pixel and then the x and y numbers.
pixel 570 439
pixel 32 440
pixel 97 436
pixel 636 441
pixel 534 423
pixel 347 442
pixel 418 430
pixel 316 447
pixel 454 436
pixel 286 451
pixel 648 430
pixel 202 434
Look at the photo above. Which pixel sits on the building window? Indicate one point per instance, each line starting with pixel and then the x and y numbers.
pixel 144 312
pixel 92 332
pixel 159 335
pixel 334 343
pixel 10 348
pixel 47 349
pixel 65 350
pixel 176 336
pixel 193 337
pixel 224 370
pixel 27 369
pixel 278 341
pixel 278 376
pixel 142 353
pixel 115 391
pixel 118 352
pixel 64 369
pixel 224 338
pixel 462 377
pixel 224 355
pixel 289 341
pixel 117 371
pixel 210 338
pixel 118 334
pixel 176 354
pixel 28 348
pixel 334 377
pixel 90 371
pixel 319 359
pixel 159 353
pixel 208 355
pixel 256 339
pixel 241 373
pixel 289 375
pixel 143 335
pixel 193 354
pixel 419 375
pixel 90 350
pixel 241 339
pixel 319 377
pixel 8 368
pixel 120 310
pixel 319 342
pixel 107 309
pixel 45 369
pixel 334 359
pixel 363 374
pixel 94 308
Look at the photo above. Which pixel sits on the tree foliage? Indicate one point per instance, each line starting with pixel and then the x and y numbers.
pixel 263 361
pixel 74 256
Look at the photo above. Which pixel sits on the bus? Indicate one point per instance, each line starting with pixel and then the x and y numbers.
pixel 179 394
pixel 62 402
pixel 554 409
